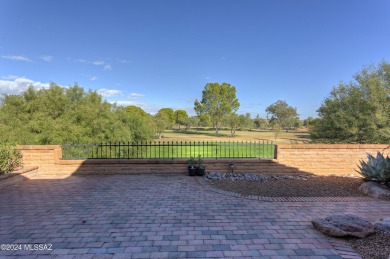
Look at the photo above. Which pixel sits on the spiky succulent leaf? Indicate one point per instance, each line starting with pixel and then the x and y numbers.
pixel 375 168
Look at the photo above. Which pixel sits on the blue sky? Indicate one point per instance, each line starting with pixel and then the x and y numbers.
pixel 161 53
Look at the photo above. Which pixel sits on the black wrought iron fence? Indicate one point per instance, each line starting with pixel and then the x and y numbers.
pixel 146 150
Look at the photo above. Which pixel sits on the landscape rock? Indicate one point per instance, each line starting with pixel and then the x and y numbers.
pixel 344 225
pixel 213 176
pixel 383 225
pixel 375 190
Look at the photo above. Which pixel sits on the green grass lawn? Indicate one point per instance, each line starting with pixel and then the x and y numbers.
pixel 177 149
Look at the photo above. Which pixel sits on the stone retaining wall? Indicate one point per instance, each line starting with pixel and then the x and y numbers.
pixel 309 158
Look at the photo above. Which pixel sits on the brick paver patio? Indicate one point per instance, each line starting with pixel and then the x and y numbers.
pixel 156 216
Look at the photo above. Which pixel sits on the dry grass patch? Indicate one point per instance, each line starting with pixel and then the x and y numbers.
pixel 224 135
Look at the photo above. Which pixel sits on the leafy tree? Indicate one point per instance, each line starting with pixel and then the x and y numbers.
pixel 162 122
pixel 277 130
pixel 141 123
pixel 191 121
pixel 218 101
pixel 132 110
pixel 142 128
pixel 181 117
pixel 297 123
pixel 357 112
pixel 233 122
pixel 58 115
pixel 245 121
pixel 170 116
pixel 259 122
pixel 204 121
pixel 309 121
pixel 282 114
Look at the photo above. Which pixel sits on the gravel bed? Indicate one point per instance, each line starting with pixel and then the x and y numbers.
pixel 376 246
pixel 372 247
pixel 324 186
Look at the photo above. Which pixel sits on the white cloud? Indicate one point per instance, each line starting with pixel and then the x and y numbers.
pixel 108 92
pixel 18 58
pixel 124 61
pixel 124 103
pixel 135 95
pixel 98 63
pixel 19 85
pixel 47 58
pixel 101 63
pixel 9 77
pixel 90 77
pixel 107 67
pixel 80 60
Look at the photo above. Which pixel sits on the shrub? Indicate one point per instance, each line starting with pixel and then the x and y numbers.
pixel 10 158
pixel 377 168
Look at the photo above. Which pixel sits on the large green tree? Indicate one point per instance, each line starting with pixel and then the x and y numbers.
pixel 181 117
pixel 170 116
pixel 141 124
pixel 58 115
pixel 245 121
pixel 282 114
pixel 191 121
pixel 259 122
pixel 359 111
pixel 135 110
pixel 162 122
pixel 233 122
pixel 218 101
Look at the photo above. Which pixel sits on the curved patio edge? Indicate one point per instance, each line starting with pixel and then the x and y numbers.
pixel 202 182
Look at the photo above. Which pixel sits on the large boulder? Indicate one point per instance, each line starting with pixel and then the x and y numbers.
pixel 383 225
pixel 375 190
pixel 344 225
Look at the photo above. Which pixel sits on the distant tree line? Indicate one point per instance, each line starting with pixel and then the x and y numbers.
pixel 58 115
pixel 219 105
pixel 356 112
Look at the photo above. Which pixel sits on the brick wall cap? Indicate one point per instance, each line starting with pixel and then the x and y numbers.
pixel 333 146
pixel 156 161
pixel 38 147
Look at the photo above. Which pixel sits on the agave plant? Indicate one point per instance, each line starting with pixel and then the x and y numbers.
pixel 377 168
